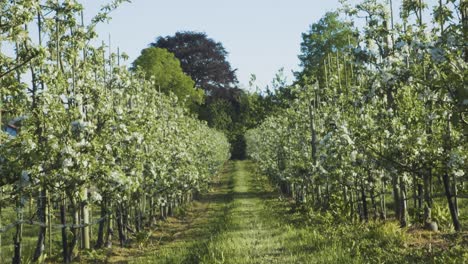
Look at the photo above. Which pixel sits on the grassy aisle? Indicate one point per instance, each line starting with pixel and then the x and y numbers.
pixel 237 227
pixel 251 234
pixel 185 236
pixel 243 221
pixel 260 228
pixel 251 227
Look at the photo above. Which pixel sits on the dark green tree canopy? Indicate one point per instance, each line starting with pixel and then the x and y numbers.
pixel 202 58
pixel 168 75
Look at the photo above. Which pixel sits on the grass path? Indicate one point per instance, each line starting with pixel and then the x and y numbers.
pixel 242 220
pixel 241 224
pixel 251 234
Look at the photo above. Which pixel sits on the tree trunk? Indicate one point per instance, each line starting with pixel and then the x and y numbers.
pixel 110 226
pixel 365 212
pixel 351 203
pixel 152 211
pixel 85 216
pixel 120 225
pixel 455 194
pixel 143 215
pixel 420 201
pixel 63 214
pixel 102 224
pixel 137 218
pixel 18 238
pixel 427 196
pixel 453 211
pixel 446 179
pixel 170 210
pixel 74 229
pixel 42 217
pixel 383 209
pixel 345 197
pixel 396 196
pixel 125 207
pixel 17 244
pixel 403 204
pixel 374 204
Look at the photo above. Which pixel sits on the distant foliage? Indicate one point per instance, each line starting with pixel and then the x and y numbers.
pixel 226 107
pixel 202 58
pixel 164 70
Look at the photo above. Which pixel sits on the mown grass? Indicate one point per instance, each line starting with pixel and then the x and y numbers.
pixel 336 241
pixel 259 227
pixel 245 220
pixel 206 219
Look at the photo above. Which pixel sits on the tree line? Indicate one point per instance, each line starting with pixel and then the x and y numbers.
pixel 376 123
pixel 90 135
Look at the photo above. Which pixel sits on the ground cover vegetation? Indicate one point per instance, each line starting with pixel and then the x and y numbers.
pixel 243 220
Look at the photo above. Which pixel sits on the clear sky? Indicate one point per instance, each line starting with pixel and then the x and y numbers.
pixel 261 36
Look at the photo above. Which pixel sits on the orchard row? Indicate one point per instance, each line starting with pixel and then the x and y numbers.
pixel 377 126
pixel 84 132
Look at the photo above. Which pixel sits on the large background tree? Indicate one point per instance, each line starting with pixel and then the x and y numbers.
pixel 329 35
pixel 168 76
pixel 202 58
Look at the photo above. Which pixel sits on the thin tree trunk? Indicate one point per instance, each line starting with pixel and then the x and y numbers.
pixel 110 227
pixel 137 218
pixel 42 217
pixel 152 217
pixel 351 203
pixel 345 197
pixel 17 244
pixel 383 209
pixel 74 229
pixel 100 237
pixel 85 216
pixel 453 211
pixel 18 238
pixel 396 196
pixel 374 204
pixel 455 194
pixel 464 21
pixel 169 208
pixel 403 204
pixel 427 196
pixel 143 214
pixel 63 213
pixel 120 225
pixel 446 180
pixel 365 212
pixel 49 222
pixel 420 201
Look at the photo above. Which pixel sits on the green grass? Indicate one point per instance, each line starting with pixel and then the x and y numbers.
pixel 243 219
pixel 206 219
pixel 258 227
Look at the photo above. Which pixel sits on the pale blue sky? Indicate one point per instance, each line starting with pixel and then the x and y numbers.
pixel 261 36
